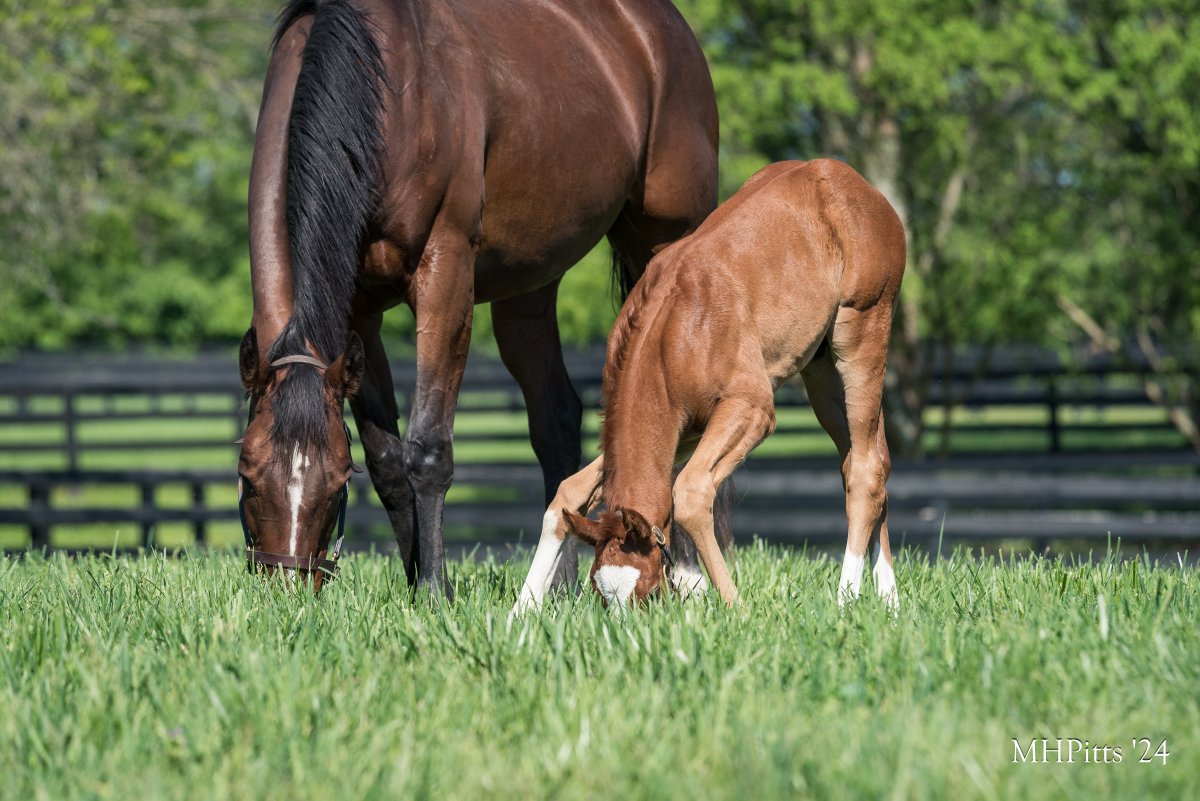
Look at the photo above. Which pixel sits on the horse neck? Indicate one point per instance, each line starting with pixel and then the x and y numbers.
pixel 640 438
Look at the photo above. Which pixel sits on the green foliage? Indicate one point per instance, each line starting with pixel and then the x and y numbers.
pixel 154 677
pixel 1042 154
pixel 127 133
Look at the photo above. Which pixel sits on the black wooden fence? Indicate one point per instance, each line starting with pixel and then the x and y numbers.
pixel 1077 455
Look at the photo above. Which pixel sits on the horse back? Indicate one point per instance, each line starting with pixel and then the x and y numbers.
pixel 533 123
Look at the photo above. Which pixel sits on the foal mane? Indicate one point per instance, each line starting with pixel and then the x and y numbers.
pixel 333 169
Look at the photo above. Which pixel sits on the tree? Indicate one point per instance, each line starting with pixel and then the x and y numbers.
pixel 127 134
pixel 971 118
pixel 1138 116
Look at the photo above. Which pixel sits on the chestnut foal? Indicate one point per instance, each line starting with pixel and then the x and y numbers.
pixel 797 273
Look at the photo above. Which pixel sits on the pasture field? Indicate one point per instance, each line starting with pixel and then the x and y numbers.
pixel 156 677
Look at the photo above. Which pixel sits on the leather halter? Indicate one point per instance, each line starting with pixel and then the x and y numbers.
pixel 306 564
pixel 668 561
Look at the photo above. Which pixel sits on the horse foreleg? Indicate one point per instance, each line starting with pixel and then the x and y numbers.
pixel 526 330
pixel 443 301
pixel 579 493
pixel 736 427
pixel 376 416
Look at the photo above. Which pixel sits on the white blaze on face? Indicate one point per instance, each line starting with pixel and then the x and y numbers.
pixel 295 494
pixel 616 583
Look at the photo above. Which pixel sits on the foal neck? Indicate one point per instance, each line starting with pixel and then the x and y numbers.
pixel 640 438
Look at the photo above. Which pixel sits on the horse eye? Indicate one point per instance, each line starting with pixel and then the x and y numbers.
pixel 247 487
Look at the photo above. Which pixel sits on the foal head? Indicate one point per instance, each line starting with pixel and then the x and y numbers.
pixel 295 461
pixel 629 554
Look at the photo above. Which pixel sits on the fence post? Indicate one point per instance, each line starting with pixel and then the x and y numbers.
pixel 148 515
pixel 199 524
pixel 71 422
pixel 39 514
pixel 362 502
pixel 1052 407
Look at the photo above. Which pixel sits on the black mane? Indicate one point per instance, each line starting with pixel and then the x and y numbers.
pixel 334 146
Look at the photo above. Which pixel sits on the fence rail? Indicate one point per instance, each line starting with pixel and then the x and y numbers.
pixel 87 420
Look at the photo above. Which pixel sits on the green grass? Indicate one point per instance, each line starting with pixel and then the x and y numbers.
pixel 159 678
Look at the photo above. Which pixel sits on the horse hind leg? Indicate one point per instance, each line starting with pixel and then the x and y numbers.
pixel 526 331
pixel 881 552
pixel 845 385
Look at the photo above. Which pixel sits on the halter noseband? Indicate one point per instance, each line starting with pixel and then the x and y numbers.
pixel 308 564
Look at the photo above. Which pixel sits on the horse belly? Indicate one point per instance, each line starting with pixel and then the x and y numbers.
pixel 792 324
pixel 532 238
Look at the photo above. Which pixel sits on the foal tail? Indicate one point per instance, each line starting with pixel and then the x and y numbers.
pixel 334 145
pixel 623 278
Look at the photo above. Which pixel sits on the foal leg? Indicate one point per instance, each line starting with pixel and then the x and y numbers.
pixel 376 416
pixel 526 329
pixel 443 300
pixel 736 427
pixel 579 493
pixel 845 385
pixel 881 553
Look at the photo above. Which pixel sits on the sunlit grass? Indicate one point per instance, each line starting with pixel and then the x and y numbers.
pixel 153 677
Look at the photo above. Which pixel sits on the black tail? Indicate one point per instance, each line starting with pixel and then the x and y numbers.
pixel 334 145
pixel 623 278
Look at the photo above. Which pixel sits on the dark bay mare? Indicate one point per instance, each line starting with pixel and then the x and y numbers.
pixel 441 154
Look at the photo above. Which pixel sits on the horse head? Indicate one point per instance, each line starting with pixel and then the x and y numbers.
pixel 631 554
pixel 295 463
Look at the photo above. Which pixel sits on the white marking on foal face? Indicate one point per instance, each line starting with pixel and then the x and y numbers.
pixel 616 583
pixel 295 493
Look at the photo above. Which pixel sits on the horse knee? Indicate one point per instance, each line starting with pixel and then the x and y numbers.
pixel 693 506
pixel 385 455
pixel 429 462
pixel 865 479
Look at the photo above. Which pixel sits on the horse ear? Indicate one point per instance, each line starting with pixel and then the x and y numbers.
pixel 590 531
pixel 352 366
pixel 637 526
pixel 248 359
